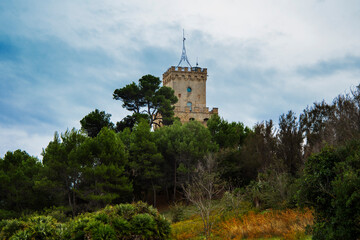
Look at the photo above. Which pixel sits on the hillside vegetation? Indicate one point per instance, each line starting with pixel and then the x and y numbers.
pixel 311 160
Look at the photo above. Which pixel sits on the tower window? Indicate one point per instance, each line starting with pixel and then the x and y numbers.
pixel 189 104
pixel 189 89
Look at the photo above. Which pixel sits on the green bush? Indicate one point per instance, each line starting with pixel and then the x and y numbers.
pixel 124 221
pixel 177 212
pixel 34 227
pixel 59 213
pixel 125 210
pixel 143 225
pixel 331 185
pixel 10 227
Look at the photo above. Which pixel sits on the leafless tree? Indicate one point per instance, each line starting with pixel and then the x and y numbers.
pixel 203 189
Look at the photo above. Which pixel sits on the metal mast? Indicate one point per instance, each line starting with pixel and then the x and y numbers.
pixel 183 54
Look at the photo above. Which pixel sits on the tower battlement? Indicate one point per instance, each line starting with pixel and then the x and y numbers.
pixel 174 69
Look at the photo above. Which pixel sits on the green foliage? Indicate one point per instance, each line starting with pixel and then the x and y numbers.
pixel 143 225
pixel 313 123
pixel 272 189
pixel 17 194
pixel 124 221
pixel 331 185
pixel 290 140
pixel 156 102
pixel 104 179
pixel 183 146
pixel 62 166
pixel 35 227
pixel 10 227
pixel 85 173
pixel 177 212
pixel 129 221
pixel 58 213
pixel 225 134
pixel 95 121
pixel 145 160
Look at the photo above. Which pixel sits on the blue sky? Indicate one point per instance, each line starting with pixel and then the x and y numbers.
pixel 59 60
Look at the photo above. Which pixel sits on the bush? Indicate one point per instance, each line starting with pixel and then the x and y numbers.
pixel 177 212
pixel 59 213
pixel 124 221
pixel 10 227
pixel 35 227
pixel 331 185
pixel 273 189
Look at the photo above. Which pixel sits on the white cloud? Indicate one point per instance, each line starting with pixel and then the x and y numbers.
pixel 17 138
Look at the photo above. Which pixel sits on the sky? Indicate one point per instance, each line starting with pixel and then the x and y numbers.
pixel 60 60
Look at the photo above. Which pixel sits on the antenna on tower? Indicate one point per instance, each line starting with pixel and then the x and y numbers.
pixel 183 54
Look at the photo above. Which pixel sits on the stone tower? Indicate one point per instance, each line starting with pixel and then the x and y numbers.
pixel 189 84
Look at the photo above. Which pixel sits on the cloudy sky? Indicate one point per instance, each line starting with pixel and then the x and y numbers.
pixel 59 60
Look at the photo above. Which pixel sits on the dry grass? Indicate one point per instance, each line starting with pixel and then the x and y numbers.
pixel 187 229
pixel 287 224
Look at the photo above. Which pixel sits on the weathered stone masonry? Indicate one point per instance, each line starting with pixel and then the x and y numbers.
pixel 189 85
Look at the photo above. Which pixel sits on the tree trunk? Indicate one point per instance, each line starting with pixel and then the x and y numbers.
pixel 174 197
pixel 154 193
pixel 70 204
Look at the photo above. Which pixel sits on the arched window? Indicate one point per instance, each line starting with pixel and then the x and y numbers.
pixel 192 119
pixel 206 119
pixel 189 104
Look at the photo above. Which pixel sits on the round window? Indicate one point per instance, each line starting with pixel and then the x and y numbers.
pixel 189 89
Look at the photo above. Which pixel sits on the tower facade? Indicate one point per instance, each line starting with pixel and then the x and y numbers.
pixel 189 85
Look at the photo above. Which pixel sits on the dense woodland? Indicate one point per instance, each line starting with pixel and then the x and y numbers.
pixel 311 159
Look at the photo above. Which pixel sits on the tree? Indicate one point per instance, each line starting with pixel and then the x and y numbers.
pixel 203 189
pixel 331 185
pixel 290 142
pixel 225 134
pixel 148 99
pixel 95 121
pixel 127 122
pixel 182 146
pixel 104 179
pixel 257 154
pixel 344 122
pixel 18 171
pixel 62 169
pixel 145 161
pixel 313 123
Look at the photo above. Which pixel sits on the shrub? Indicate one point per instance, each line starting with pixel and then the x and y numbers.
pixel 35 227
pixel 331 185
pixel 125 210
pixel 10 227
pixel 124 221
pixel 177 212
pixel 59 213
pixel 144 225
